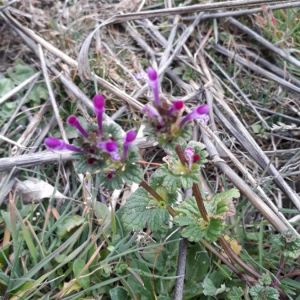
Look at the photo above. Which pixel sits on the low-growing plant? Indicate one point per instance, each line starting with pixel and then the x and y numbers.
pixel 202 218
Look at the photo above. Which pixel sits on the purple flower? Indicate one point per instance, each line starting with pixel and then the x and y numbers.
pixel 153 83
pixel 129 138
pixel 189 153
pixel 99 107
pixel 73 121
pixel 198 113
pixel 152 112
pixel 176 105
pixel 110 148
pixel 56 144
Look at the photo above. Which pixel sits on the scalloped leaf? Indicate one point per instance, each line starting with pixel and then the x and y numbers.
pixel 288 243
pixel 214 230
pixel 221 205
pixel 196 228
pixel 259 292
pixel 137 212
pixel 115 183
pixel 133 154
pixel 141 208
pixel 132 173
pixel 171 182
pixel 235 294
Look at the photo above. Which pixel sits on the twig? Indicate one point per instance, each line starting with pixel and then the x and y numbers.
pixel 19 87
pixel 256 58
pixel 8 4
pixel 151 191
pixel 51 94
pixel 249 280
pixel 263 41
pixel 243 187
pixel 7 125
pixel 29 33
pixel 235 258
pixel 255 68
pixel 181 262
pixel 237 88
pixel 238 130
pixel 30 129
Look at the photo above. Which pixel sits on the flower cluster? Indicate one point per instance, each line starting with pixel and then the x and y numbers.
pixel 164 122
pixel 102 148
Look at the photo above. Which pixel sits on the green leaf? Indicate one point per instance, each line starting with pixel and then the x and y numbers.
pixel 21 73
pixel 171 182
pixel 68 224
pixel 6 110
pixel 256 128
pixel 186 182
pixel 115 183
pixel 288 243
pixel 133 154
pixel 197 228
pixel 141 208
pixel 119 293
pixel 138 211
pixel 221 206
pixel 139 282
pixel 214 230
pixel 132 173
pixel 6 85
pixel 197 263
pixel 83 280
pixel 38 92
pixel 265 279
pixel 235 294
pixel 210 289
pixel 102 212
pixel 259 292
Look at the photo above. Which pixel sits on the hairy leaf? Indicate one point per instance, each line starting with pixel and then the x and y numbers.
pixel 235 294
pixel 196 228
pixel 259 292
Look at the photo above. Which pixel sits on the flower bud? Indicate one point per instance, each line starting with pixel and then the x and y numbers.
pixel 129 138
pixel 189 153
pixel 74 122
pixel 110 148
pixel 152 112
pixel 198 113
pixel 56 144
pixel 153 83
pixel 99 107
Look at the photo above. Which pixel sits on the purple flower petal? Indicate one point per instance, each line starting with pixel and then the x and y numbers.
pixel 99 107
pixel 110 148
pixel 74 122
pixel 99 104
pixel 129 138
pixel 198 113
pixel 152 112
pixel 189 153
pixel 153 83
pixel 56 144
